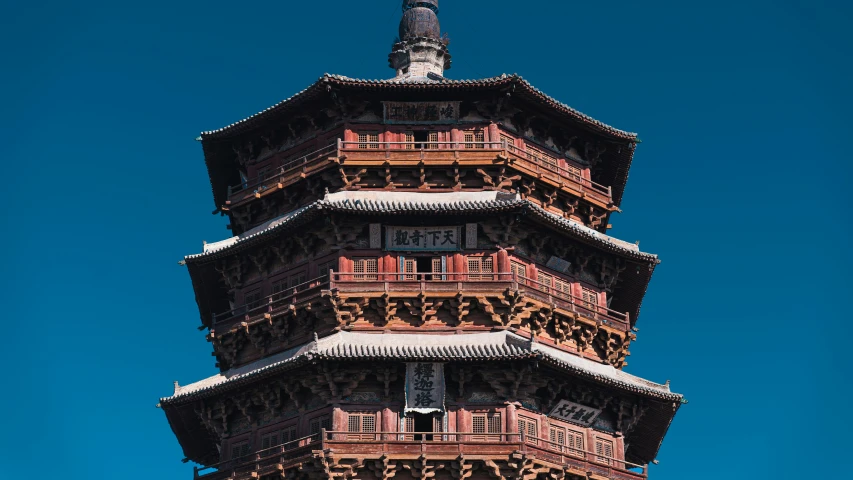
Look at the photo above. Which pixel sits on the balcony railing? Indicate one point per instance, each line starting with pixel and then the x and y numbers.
pixel 267 458
pixel 476 282
pixel 439 445
pixel 271 304
pixel 537 164
pixel 418 282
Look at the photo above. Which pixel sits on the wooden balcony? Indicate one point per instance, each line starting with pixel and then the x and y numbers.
pixel 438 284
pixel 431 445
pixel 433 154
pixel 401 284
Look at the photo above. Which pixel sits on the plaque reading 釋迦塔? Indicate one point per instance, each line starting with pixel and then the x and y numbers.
pixel 409 239
pixel 425 387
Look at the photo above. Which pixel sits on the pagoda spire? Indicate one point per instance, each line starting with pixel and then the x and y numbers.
pixel 420 49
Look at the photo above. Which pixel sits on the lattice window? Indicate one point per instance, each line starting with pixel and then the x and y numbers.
pixel 409 266
pixel 368 140
pixel 279 289
pixel 433 139
pixel 545 281
pixel 268 441
pixel 475 139
pixel 540 154
pixel 483 424
pixel 518 269
pixel 557 436
pixel 574 444
pixel 361 426
pixel 263 173
pixel 252 299
pixel 288 437
pixel 477 266
pixel 603 451
pixel 296 280
pixel 528 427
pixel 590 297
pixel 409 138
pixel 365 269
pixel 239 450
pixel 573 172
pixel 325 268
pixel 317 424
pixel 562 287
pixel 508 140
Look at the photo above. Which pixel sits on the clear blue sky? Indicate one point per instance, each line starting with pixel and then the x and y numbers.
pixel 742 185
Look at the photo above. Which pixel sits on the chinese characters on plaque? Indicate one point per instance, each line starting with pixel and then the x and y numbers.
pixel 424 387
pixel 575 413
pixel 410 239
pixel 421 112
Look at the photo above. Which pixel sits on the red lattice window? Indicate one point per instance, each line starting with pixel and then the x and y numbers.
pixel 365 269
pixel 477 266
pixel 297 280
pixel 528 427
pixel 409 266
pixel 573 172
pixel 288 437
pixel 475 139
pixel 545 281
pixel 562 287
pixel 252 299
pixel 433 141
pixel 269 441
pixel 361 426
pixel 590 297
pixel 317 424
pixel 508 140
pixel 368 140
pixel 325 268
pixel 239 450
pixel 603 451
pixel 483 424
pixel 409 138
pixel 279 290
pixel 539 154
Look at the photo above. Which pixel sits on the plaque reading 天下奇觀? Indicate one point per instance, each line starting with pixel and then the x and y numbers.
pixel 575 413
pixel 410 239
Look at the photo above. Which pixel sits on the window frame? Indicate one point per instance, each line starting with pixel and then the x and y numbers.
pixel 363 433
pixel 525 425
pixel 370 141
pixel 367 263
pixel 481 261
pixel 491 419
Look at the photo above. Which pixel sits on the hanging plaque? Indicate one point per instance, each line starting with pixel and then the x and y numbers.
pixel 410 239
pixel 421 112
pixel 424 387
pixel 575 413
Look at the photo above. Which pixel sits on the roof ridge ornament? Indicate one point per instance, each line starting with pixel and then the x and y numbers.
pixel 420 50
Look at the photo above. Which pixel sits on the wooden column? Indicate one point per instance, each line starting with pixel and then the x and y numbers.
pixel 511 419
pixel 387 423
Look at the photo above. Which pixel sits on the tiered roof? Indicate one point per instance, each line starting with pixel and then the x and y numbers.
pixel 368 203
pixel 614 171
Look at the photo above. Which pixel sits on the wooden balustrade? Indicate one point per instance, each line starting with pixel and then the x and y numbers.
pixel 535 164
pixel 440 445
pixel 418 282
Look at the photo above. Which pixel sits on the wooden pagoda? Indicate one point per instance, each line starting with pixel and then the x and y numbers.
pixel 420 284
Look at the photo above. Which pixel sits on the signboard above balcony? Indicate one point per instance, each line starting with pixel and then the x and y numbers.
pixel 575 413
pixel 418 239
pixel 415 113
